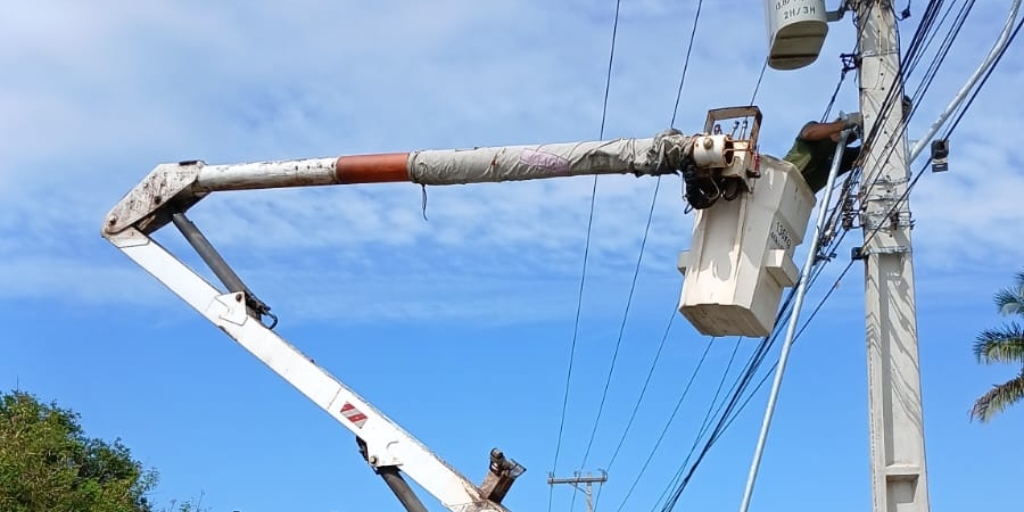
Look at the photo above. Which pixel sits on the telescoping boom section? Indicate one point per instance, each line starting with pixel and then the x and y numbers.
pixel 723 181
pixel 173 188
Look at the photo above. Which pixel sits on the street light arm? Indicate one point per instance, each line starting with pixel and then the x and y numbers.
pixel 993 54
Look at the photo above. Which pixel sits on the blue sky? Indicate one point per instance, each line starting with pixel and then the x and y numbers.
pixel 459 327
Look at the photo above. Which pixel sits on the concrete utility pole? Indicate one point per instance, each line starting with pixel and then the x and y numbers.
pixel 588 481
pixel 898 470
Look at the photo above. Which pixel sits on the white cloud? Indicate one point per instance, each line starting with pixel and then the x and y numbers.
pixel 101 95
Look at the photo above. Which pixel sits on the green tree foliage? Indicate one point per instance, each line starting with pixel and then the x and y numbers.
pixel 48 464
pixel 1004 344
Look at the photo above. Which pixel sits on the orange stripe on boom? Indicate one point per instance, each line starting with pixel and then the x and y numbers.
pixel 383 168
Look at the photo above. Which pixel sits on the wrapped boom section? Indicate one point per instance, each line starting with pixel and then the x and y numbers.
pixel 741 255
pixel 662 154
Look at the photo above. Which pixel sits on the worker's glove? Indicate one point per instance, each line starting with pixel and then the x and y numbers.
pixel 851 120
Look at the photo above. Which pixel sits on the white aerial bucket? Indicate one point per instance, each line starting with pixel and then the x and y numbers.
pixel 796 32
pixel 741 254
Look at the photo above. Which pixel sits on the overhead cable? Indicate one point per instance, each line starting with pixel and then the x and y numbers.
pixel 629 300
pixel 835 285
pixel 586 257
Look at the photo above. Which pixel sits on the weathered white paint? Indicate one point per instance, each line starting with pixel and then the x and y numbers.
pixel 387 443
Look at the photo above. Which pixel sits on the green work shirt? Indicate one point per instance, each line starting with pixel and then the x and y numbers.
pixel 813 158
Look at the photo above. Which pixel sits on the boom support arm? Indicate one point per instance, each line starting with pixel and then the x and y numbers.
pixel 170 190
pixel 387 445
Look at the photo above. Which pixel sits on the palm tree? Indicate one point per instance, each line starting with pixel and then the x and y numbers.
pixel 1003 345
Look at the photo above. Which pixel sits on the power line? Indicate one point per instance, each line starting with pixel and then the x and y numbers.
pixel 911 64
pixel 725 374
pixel 650 372
pixel 686 63
pixel 807 322
pixel 961 112
pixel 730 405
pixel 753 98
pixel 707 416
pixel 762 349
pixel 914 181
pixel 575 336
pixel 732 413
pixel 741 385
pixel 932 71
pixel 897 203
pixel 912 53
pixel 848 65
pixel 654 362
pixel 618 343
pixel 586 255
pixel 647 381
pixel 668 423
pixel 760 76
pixel 742 382
pixel 922 39
pixel 636 271
pixel 835 284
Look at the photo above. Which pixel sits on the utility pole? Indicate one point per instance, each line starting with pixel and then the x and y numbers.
pixel 577 480
pixel 898 470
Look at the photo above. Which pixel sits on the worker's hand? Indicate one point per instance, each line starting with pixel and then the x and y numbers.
pixel 853 119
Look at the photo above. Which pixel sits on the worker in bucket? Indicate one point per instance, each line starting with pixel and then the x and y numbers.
pixel 815 147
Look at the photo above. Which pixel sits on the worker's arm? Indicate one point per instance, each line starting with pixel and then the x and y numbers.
pixel 820 131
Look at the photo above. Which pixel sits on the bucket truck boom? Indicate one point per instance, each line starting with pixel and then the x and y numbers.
pixel 713 165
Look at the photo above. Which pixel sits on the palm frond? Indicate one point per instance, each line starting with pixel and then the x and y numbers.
pixel 1010 301
pixel 998 399
pixel 1003 345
